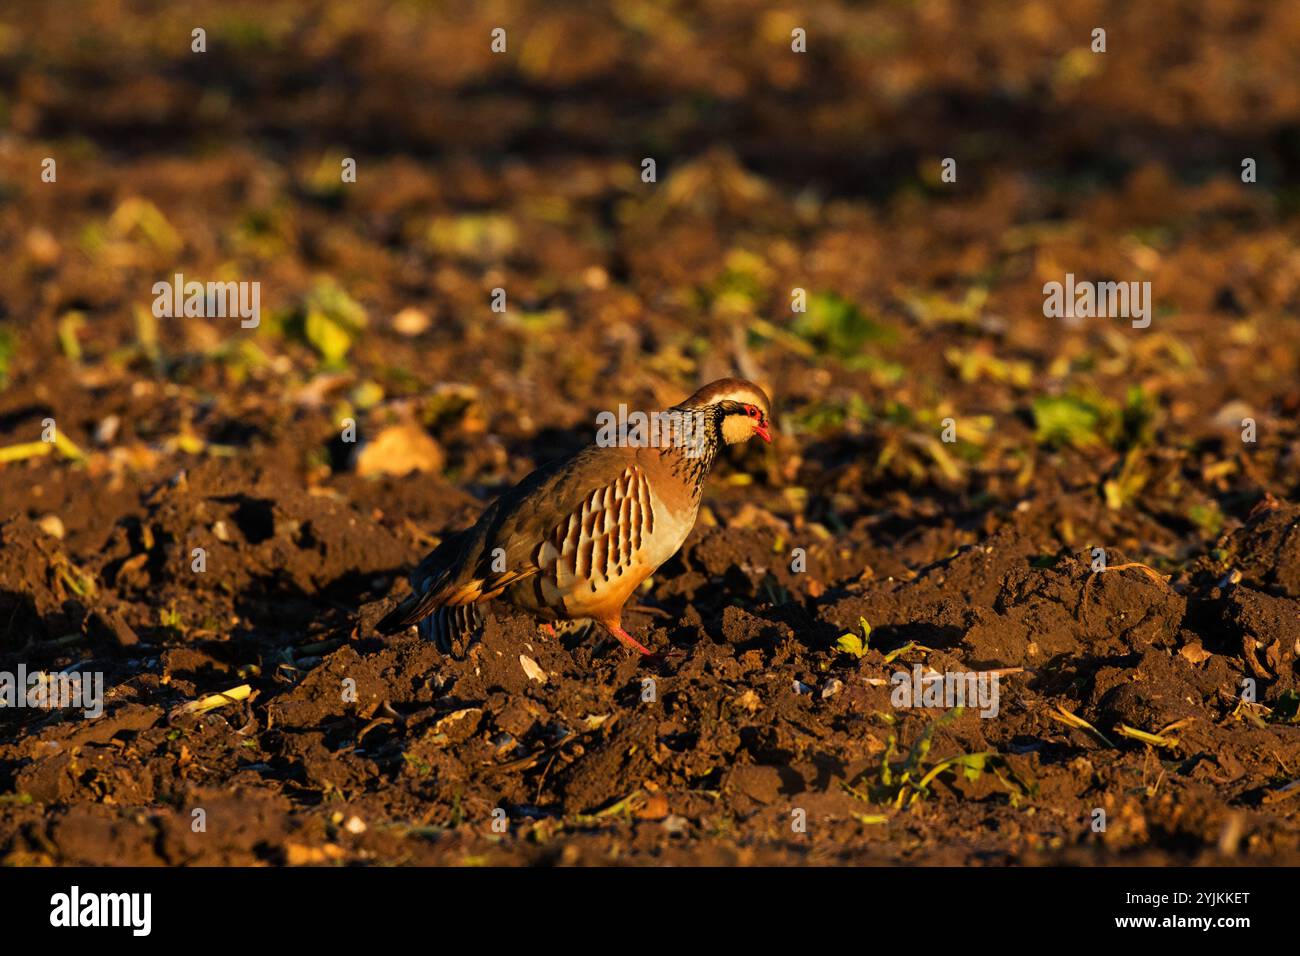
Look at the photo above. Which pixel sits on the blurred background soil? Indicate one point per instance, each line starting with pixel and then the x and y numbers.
pixel 775 171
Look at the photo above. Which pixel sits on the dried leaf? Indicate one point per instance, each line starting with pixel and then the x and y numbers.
pixel 400 450
pixel 532 669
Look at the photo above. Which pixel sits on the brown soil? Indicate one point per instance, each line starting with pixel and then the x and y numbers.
pixel 475 173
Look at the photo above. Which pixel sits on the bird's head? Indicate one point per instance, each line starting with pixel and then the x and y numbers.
pixel 741 407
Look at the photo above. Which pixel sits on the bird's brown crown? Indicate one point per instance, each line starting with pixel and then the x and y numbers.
pixel 739 409
pixel 737 390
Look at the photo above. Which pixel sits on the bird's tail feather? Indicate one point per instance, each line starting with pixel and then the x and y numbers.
pixel 413 608
pixel 451 627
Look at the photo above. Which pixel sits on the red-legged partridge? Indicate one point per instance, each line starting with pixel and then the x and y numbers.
pixel 576 537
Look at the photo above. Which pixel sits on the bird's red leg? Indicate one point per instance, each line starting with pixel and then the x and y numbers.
pixel 550 629
pixel 627 640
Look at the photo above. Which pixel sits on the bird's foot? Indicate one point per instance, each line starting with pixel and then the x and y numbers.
pixel 627 640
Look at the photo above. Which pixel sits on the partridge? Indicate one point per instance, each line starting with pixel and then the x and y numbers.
pixel 575 538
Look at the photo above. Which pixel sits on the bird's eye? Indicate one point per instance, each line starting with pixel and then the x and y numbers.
pixel 751 411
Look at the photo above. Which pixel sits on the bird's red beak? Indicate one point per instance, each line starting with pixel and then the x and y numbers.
pixel 762 432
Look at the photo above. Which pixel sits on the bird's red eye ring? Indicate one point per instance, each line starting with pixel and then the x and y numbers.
pixel 751 411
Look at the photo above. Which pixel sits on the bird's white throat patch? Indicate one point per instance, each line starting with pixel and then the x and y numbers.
pixel 737 428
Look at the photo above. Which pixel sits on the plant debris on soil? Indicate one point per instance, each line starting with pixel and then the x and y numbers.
pixel 1114 532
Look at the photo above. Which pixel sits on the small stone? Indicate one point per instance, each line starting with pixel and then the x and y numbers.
pixel 107 429
pixel 106 623
pixel 675 825
pixel 42 247
pixel 52 525
pixel 411 322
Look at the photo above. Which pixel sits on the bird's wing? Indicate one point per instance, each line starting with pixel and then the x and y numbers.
pixel 505 545
pixel 599 538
